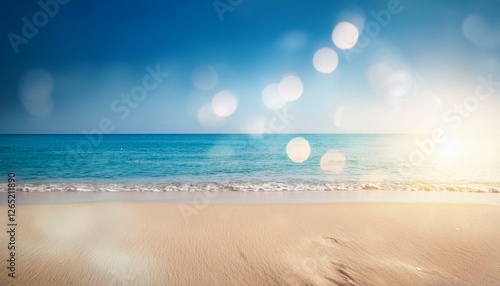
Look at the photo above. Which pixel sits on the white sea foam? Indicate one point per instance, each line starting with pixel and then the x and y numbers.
pixel 414 186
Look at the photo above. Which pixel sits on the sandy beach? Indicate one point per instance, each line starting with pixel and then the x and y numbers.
pixel 250 143
pixel 145 243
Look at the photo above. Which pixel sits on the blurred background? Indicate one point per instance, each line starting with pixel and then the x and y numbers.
pixel 241 66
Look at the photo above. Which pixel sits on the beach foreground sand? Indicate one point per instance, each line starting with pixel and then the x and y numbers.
pixel 106 243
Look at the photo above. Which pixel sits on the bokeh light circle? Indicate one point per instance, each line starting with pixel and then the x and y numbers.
pixel 400 84
pixel 204 77
pixel 271 97
pixel 325 60
pixel 291 87
pixel 224 103
pixel 333 161
pixel 208 118
pixel 298 149
pixel 481 33
pixel 345 35
pixel 36 92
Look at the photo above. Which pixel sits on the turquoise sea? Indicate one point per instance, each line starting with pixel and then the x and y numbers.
pixel 249 163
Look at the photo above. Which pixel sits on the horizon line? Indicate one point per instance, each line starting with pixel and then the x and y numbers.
pixel 255 134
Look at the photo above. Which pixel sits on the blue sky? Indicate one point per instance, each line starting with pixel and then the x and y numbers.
pixel 69 76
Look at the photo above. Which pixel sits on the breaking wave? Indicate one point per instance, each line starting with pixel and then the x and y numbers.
pixel 413 186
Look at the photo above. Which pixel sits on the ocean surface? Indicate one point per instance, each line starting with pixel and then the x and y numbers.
pixel 250 163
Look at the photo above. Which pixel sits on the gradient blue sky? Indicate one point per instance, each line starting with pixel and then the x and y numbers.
pixel 91 52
